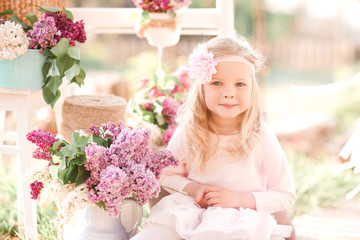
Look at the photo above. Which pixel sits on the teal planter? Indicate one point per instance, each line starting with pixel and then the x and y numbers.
pixel 23 72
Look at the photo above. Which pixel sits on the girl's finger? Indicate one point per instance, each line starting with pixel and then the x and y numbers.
pixel 213 201
pixel 211 195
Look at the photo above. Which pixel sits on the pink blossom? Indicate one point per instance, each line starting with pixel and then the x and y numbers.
pixel 43 140
pixel 176 89
pixel 143 82
pixel 73 31
pixel 183 74
pixel 154 92
pixel 169 133
pixel 36 188
pixel 148 106
pixel 170 107
pixel 201 64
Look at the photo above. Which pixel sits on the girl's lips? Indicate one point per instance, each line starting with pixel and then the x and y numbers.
pixel 228 105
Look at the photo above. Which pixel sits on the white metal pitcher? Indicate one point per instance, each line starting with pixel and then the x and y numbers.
pixel 93 223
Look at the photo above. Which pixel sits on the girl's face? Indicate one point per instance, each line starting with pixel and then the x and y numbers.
pixel 229 92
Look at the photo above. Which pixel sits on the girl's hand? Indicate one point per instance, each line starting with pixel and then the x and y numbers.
pixel 216 196
pixel 197 191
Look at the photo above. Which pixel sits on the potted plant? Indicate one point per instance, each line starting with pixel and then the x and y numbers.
pixel 160 21
pixel 113 164
pixel 52 39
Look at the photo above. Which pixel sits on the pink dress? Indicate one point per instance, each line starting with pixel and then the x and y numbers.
pixel 264 173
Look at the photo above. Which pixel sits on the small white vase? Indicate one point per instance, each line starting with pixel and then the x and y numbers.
pixel 93 223
pixel 162 36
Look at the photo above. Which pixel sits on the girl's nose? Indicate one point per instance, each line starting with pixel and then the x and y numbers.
pixel 229 96
pixel 229 93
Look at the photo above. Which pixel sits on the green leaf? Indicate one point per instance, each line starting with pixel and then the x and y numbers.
pixel 72 72
pixel 75 136
pixel 68 13
pixel 79 79
pixel 55 146
pixel 74 52
pixel 48 95
pixel 57 96
pixel 71 173
pixel 80 141
pixel 45 69
pixel 82 175
pixel 149 118
pixel 32 18
pixel 79 158
pixel 101 204
pixel 171 14
pixel 48 53
pixel 99 140
pixel 15 19
pixel 53 169
pixel 48 9
pixel 63 64
pixel 26 27
pixel 61 48
pixel 61 175
pixel 69 151
pixel 54 83
pixel 144 16
pixel 7 12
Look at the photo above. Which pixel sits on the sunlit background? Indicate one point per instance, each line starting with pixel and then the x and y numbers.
pixel 306 43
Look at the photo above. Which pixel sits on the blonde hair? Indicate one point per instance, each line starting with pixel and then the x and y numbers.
pixel 194 114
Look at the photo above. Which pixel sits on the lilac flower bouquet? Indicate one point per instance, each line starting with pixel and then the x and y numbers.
pixel 156 103
pixel 55 34
pixel 114 163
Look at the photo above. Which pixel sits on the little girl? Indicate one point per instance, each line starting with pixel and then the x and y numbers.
pixel 233 173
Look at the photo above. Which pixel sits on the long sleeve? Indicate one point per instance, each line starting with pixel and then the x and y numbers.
pixel 176 177
pixel 280 188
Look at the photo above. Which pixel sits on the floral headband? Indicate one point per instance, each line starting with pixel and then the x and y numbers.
pixel 202 63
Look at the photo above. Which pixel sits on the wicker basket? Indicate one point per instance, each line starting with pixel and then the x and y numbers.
pixel 24 7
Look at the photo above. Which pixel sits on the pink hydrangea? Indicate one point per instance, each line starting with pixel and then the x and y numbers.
pixel 201 64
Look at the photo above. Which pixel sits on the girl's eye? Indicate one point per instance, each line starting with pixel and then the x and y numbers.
pixel 216 83
pixel 239 84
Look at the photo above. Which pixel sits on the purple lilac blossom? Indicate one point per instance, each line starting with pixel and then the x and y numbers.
pixel 161 160
pixel 114 186
pixel 73 31
pixel 96 161
pixel 44 34
pixel 94 130
pixel 43 140
pixel 125 167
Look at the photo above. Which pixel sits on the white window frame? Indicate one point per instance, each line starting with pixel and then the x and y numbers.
pixel 196 21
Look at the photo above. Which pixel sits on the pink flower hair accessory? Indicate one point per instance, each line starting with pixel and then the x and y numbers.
pixel 201 64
